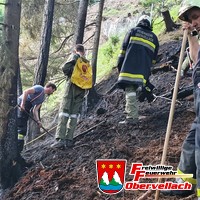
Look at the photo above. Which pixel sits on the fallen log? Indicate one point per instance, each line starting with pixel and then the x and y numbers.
pixel 165 67
pixel 182 93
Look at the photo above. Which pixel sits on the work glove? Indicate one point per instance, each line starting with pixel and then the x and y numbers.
pixel 140 93
pixel 149 94
pixel 145 93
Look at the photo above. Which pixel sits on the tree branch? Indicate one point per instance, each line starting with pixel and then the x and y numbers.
pixel 3 24
pixel 65 40
pixel 63 43
pixel 88 38
pixel 5 4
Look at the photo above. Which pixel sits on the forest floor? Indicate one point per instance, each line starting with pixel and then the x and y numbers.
pixel 71 173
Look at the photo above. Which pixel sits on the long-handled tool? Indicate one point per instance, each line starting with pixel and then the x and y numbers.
pixel 189 58
pixel 36 122
pixel 171 114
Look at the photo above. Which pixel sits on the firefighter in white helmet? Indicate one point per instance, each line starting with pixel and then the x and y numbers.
pixel 190 155
pixel 138 53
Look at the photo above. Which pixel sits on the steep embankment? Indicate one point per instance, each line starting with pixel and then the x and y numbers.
pixel 71 173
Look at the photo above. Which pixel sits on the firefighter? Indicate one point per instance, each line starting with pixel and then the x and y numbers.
pixel 138 53
pixel 31 100
pixel 71 103
pixel 190 154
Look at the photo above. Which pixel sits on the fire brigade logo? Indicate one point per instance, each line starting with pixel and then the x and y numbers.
pixel 110 175
pixel 84 68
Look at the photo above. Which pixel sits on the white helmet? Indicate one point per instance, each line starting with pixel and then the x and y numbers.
pixel 144 17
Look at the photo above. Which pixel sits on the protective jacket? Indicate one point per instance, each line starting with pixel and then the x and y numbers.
pixel 138 52
pixel 190 155
pixel 196 72
pixel 69 66
pixel 70 106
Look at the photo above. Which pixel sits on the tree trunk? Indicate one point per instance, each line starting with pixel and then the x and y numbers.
pixel 96 40
pixel 93 96
pixel 41 69
pixel 170 25
pixel 19 83
pixel 8 79
pixel 82 13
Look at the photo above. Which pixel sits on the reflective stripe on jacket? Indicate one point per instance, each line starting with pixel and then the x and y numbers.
pixel 138 53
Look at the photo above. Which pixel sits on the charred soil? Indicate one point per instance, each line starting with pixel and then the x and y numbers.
pixel 71 173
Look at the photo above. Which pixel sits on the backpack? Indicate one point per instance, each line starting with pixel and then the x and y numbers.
pixel 82 74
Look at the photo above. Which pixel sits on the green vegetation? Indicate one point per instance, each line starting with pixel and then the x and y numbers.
pixel 108 52
pixel 122 11
pixel 159 24
pixel 107 57
pixel 174 11
pixel 112 12
pixel 52 102
pixel 1 11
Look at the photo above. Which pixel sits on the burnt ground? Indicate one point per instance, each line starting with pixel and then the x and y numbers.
pixel 71 173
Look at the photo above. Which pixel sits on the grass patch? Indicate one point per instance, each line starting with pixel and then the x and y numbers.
pixel 107 57
pixel 123 10
pixel 159 24
pixel 111 12
pixel 52 103
pixel 174 12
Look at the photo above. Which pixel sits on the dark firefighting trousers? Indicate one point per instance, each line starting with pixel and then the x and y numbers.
pixel 22 119
pixel 190 155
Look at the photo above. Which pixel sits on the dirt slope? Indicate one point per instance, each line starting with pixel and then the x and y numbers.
pixel 71 173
